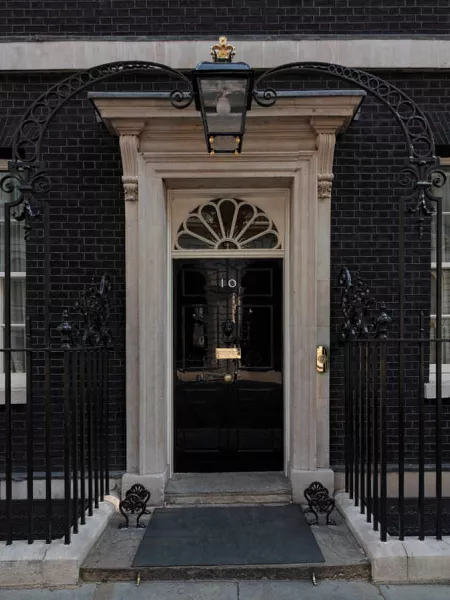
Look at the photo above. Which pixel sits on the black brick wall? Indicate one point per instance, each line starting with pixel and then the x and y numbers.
pixel 87 226
pixel 212 17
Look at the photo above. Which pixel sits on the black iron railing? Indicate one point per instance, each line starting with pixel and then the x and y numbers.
pixel 64 423
pixel 394 450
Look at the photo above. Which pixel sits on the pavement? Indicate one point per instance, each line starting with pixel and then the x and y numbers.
pixel 248 590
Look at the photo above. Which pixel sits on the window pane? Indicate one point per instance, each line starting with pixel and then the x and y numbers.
pixel 17 246
pixel 227 224
pixel 445 239
pixel 444 193
pixel 224 102
pixel 18 264
pixel 17 358
pixel 445 345
pixel 18 301
pixel 445 292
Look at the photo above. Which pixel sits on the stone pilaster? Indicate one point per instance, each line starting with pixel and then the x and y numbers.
pixel 129 147
pixel 325 144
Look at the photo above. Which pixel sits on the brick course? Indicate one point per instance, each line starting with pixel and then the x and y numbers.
pixel 28 18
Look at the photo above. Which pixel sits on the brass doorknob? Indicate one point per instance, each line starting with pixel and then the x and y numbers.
pixel 228 378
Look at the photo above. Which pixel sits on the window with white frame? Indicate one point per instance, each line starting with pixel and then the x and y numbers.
pixel 18 268
pixel 443 192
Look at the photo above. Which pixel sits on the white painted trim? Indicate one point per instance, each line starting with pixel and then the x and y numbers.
pixel 369 53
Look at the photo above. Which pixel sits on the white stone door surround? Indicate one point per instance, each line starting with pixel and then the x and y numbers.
pixel 288 149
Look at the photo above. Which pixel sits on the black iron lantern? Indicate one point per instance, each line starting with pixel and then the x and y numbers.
pixel 223 94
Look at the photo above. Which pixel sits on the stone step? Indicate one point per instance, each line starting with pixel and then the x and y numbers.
pixel 321 571
pixel 209 498
pixel 228 488
pixel 112 557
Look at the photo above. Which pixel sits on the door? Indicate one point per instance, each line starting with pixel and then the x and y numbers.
pixel 228 390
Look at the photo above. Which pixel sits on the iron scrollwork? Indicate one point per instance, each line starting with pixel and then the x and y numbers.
pixel 319 501
pixel 422 178
pixel 25 183
pixel 135 502
pixel 357 303
pixel 94 307
pixel 65 330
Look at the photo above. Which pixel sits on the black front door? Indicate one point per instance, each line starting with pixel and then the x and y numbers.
pixel 228 365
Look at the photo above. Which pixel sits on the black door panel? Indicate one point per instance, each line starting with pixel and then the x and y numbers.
pixel 228 411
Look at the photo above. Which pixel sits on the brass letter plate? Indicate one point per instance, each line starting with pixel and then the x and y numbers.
pixel 228 353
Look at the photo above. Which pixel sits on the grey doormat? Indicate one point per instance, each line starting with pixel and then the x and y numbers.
pixel 235 535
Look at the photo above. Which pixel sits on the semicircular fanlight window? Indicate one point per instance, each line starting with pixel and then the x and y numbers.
pixel 227 224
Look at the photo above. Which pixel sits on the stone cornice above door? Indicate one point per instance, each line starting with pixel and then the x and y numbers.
pixel 292 125
pixel 299 122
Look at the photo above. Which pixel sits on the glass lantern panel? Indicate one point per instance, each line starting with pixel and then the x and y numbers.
pixel 224 102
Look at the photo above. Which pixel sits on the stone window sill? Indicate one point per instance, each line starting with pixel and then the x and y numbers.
pixel 18 388
pixel 430 388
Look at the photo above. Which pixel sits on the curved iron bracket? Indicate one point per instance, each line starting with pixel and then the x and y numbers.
pixel 319 502
pixel 135 502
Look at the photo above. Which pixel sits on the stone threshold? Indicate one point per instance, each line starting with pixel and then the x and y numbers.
pixel 395 561
pixel 56 564
pixel 228 488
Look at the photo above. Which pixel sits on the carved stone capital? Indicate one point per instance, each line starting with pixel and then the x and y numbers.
pixel 324 185
pixel 129 146
pixel 130 188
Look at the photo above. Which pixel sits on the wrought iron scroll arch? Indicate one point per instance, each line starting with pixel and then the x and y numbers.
pixel 36 119
pixel 387 93
pixel 422 172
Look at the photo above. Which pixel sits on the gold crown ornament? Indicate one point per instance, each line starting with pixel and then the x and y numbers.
pixel 222 52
